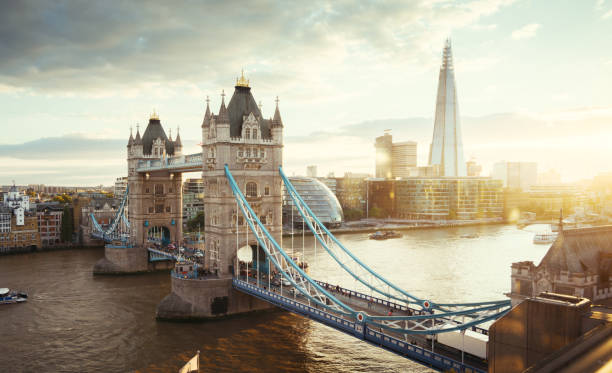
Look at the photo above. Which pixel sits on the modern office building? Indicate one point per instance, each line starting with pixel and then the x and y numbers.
pixel 193 198
pixel 394 160
pixel 438 198
pixel 318 197
pixel 384 151
pixel 516 175
pixel 311 171
pixel 446 147
pixel 121 184
pixel 473 168
pixel 403 158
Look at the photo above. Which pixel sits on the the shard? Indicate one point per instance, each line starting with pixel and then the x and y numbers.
pixel 446 149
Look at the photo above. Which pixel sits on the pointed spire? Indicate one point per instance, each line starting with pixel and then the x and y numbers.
pixel 170 134
pixel 277 120
pixel 177 141
pixel 137 140
pixel 223 114
pixel 561 221
pixel 447 55
pixel 206 121
pixel 131 140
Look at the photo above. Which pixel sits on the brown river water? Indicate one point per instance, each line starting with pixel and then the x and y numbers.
pixel 77 322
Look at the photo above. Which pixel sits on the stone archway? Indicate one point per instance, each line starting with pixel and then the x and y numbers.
pixel 159 234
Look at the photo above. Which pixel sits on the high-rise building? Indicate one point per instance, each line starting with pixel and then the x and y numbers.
pixel 516 175
pixel 193 198
pixel 120 186
pixel 446 147
pixel 394 160
pixel 473 168
pixel 384 150
pixel 311 171
pixel 403 158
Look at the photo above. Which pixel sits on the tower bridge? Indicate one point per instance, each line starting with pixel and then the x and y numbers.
pixel 241 165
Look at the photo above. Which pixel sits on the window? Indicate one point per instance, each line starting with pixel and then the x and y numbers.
pixel 267 190
pixel 171 190
pixel 159 209
pixel 147 190
pixel 240 152
pixel 251 189
pixel 167 208
pixel 159 189
pixel 247 133
pixel 150 209
pixel 254 133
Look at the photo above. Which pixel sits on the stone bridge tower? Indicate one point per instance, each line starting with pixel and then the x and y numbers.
pixel 251 146
pixel 155 198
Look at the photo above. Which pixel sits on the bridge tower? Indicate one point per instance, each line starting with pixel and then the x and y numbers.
pixel 155 198
pixel 252 147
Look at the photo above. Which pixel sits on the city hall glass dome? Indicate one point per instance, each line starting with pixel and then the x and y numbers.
pixel 318 197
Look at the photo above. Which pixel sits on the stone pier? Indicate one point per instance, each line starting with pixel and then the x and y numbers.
pixel 131 260
pixel 204 299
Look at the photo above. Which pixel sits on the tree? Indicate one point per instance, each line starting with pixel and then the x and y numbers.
pixel 67 227
pixel 62 198
pixel 376 212
pixel 196 222
pixel 353 214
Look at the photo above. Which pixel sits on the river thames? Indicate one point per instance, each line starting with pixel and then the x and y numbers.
pixel 77 322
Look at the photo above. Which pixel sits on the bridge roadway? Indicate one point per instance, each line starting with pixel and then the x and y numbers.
pixel 420 345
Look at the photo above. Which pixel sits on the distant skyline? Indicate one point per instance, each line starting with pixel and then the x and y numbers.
pixel 532 77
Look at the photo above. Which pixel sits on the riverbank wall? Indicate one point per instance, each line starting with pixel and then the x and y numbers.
pixel 130 260
pixel 206 299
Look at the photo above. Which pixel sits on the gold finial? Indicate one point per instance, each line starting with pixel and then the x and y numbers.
pixel 242 81
pixel 154 115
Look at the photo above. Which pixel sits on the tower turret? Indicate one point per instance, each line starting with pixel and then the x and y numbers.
pixel 178 145
pixel 276 127
pixel 222 121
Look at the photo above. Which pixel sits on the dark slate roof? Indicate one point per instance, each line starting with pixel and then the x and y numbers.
pixel 153 131
pixel 580 250
pixel 277 121
pixel 177 141
pixel 242 104
pixel 206 121
pixel 138 140
pixel 131 140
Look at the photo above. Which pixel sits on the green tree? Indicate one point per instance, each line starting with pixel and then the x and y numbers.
pixel 196 222
pixel 62 198
pixel 67 227
pixel 377 212
pixel 353 214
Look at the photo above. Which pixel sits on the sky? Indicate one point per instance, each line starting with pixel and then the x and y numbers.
pixel 533 79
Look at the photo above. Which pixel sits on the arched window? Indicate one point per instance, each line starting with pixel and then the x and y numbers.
pixel 251 189
pixel 254 133
pixel 247 133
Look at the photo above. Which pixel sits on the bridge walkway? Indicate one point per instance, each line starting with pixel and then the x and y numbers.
pixel 376 307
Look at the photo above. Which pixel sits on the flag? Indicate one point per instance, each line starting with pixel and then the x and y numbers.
pixel 192 365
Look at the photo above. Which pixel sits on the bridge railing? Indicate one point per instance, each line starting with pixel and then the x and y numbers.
pixel 386 303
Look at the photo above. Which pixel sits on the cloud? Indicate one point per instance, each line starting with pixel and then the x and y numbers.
pixel 111 48
pixel 607 14
pixel 526 32
pixel 552 142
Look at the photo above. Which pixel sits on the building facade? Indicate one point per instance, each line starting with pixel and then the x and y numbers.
pixel 50 223
pixel 394 160
pixel 193 198
pixel 403 158
pixel 319 198
pixel 516 175
pixel 121 184
pixel 441 198
pixel 446 147
pixel 578 263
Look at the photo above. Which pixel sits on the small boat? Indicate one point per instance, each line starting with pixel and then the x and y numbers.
pixel 8 297
pixel 544 238
pixel 470 235
pixel 384 235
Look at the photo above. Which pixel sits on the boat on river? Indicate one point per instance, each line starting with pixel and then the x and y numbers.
pixel 9 297
pixel 544 238
pixel 384 235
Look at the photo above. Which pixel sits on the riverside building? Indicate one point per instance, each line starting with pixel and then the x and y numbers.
pixel 394 160
pixel 438 198
pixel 318 197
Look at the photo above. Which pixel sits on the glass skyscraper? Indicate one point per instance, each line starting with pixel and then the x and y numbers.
pixel 446 148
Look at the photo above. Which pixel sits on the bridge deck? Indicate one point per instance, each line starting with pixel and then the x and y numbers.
pixel 416 349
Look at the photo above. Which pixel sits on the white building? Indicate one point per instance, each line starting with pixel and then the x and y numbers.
pixel 18 204
pixel 516 175
pixel 121 184
pixel 311 171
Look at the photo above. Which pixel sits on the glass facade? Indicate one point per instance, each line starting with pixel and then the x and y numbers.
pixel 318 197
pixel 441 198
